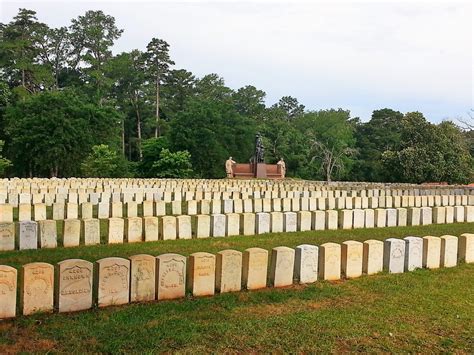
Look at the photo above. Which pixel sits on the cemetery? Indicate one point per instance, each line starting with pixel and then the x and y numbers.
pixel 76 245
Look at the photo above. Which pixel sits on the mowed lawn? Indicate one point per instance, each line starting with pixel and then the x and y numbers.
pixel 421 311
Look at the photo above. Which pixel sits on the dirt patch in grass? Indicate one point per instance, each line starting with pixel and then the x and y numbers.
pixel 22 339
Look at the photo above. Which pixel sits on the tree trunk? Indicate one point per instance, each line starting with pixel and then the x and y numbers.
pixel 157 127
pixel 139 129
pixel 123 137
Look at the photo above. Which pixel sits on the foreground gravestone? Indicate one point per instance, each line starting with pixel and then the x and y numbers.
pixel 282 266
pixel 6 213
pixel 306 263
pixel 37 291
pixel 28 235
pixel 113 281
pixel 201 274
pixel 151 228
pixel 466 247
pixel 7 236
pixel 449 251
pixel 431 252
pixel 75 285
pixel 330 261
pixel 254 268
pixel 171 276
pixel 8 287
pixel 47 234
pixel 394 255
pixel 91 230
pixel 413 253
pixel 351 257
pixel 228 271
pixel 372 258
pixel 142 278
pixel 71 232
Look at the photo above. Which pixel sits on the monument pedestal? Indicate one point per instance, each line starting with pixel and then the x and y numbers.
pixel 261 171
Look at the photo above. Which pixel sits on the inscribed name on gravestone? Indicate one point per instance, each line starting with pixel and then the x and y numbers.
pixel 75 285
pixel 7 236
pixel 171 269
pixel 113 283
pixel 38 285
pixel 142 279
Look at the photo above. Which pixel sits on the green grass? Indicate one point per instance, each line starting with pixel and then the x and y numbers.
pixel 421 311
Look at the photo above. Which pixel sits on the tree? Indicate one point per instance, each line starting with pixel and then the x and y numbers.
pixel 330 141
pixel 178 87
pixel 211 131
pixel 173 164
pixel 249 101
pixel 158 62
pixel 51 132
pixel 380 134
pixel 4 162
pixel 151 153
pixel 212 87
pixel 93 36
pixel 290 106
pixel 19 51
pixel 104 162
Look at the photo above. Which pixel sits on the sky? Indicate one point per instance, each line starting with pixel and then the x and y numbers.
pixel 357 55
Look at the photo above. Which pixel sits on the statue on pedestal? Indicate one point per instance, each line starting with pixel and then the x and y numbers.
pixel 259 149
pixel 281 163
pixel 229 167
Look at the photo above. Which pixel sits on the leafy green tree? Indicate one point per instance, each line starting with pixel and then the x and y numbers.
pixel 19 50
pixel 290 106
pixel 104 162
pixel 380 134
pixel 178 87
pixel 249 101
pixel 211 131
pixel 429 153
pixel 212 87
pixel 173 164
pixel 51 132
pixel 329 140
pixel 158 62
pixel 151 153
pixel 92 36
pixel 4 162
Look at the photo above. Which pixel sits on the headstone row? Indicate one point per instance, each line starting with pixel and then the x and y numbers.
pixel 75 284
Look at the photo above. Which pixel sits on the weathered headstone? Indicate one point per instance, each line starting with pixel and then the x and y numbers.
pixel 75 285
pixel 37 291
pixel 276 222
pixel 8 287
pixel 345 219
pixel 91 231
pixel 262 222
pixel 142 278
pixel 168 228
pixel 351 258
pixel 254 268
pixel 247 224
pixel 201 274
pixel 151 225
pixel 116 231
pixel 282 266
pixel 331 219
pixel 306 263
pixel 413 253
pixel 289 221
pixel 228 271
pixel 431 252
pixel 134 229
pixel 233 224
pixel 330 261
pixel 47 234
pixel 372 259
pixel 449 251
pixel 71 232
pixel 171 276
pixel 203 225
pixel 466 247
pixel 113 281
pixel 7 236
pixel 218 225
pixel 394 255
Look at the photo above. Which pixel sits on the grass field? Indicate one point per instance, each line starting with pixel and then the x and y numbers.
pixel 421 311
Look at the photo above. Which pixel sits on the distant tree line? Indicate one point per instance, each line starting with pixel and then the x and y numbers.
pixel 69 107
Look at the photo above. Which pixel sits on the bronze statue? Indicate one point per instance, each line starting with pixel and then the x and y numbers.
pixel 259 149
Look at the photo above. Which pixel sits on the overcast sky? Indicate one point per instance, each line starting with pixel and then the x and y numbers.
pixel 357 55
